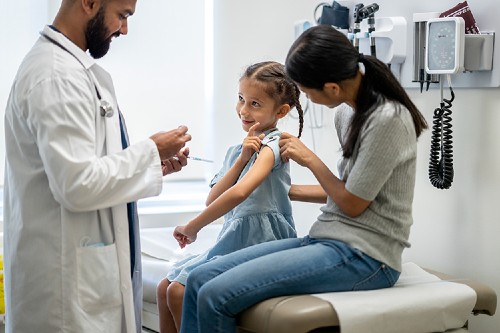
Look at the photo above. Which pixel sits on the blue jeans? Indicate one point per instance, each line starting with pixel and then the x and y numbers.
pixel 218 290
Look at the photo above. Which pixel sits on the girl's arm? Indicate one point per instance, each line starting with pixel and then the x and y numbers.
pixel 293 148
pixel 228 180
pixel 229 199
pixel 251 144
pixel 307 193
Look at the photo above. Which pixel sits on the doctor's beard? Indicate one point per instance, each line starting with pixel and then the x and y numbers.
pixel 96 35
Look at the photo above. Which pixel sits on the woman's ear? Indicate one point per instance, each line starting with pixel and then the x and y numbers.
pixel 283 110
pixel 331 88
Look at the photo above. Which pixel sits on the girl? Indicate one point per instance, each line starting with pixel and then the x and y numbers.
pixel 251 190
pixel 358 239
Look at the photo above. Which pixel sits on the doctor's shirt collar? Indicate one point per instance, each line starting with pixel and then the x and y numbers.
pixel 85 59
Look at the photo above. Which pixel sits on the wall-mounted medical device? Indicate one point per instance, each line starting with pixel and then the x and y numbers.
pixel 382 37
pixel 450 50
pixel 419 50
pixel 389 38
pixel 478 51
pixel 393 39
pixel 362 12
pixel 473 58
pixel 444 53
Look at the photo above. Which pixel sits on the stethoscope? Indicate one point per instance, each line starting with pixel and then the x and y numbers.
pixel 105 108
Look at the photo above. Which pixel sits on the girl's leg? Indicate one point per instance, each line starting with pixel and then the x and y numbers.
pixel 167 324
pixel 313 267
pixel 215 267
pixel 175 294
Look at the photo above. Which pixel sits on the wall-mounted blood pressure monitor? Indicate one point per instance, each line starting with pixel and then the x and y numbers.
pixel 445 45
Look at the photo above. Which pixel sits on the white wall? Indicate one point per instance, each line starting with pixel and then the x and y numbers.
pixel 158 68
pixel 457 230
pixel 158 71
pixel 19 26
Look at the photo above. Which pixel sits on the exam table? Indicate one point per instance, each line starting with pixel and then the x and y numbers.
pixel 286 314
pixel 306 313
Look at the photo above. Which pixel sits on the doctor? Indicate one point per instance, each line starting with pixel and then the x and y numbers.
pixel 72 256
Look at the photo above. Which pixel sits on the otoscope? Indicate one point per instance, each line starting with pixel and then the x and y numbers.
pixel 369 12
pixel 357 20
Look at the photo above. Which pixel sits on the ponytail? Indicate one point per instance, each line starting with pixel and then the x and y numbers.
pixel 377 86
pixel 322 54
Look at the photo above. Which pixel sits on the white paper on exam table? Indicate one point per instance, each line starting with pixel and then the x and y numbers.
pixel 419 302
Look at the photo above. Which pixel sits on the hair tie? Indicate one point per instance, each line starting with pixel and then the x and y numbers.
pixel 361 65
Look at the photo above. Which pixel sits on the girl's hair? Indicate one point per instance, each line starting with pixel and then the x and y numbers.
pixel 322 54
pixel 277 85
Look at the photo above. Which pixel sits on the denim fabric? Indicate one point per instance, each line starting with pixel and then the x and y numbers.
pixel 264 216
pixel 218 290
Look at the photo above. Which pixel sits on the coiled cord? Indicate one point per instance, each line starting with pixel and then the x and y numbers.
pixel 441 159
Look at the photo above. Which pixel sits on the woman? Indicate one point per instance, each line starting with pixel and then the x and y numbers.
pixel 358 239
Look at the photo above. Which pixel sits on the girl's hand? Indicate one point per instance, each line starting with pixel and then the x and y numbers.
pixel 251 143
pixel 183 236
pixel 292 148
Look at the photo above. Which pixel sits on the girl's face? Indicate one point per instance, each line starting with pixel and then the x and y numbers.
pixel 255 105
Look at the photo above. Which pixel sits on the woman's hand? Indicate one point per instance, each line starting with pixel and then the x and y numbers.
pixel 184 236
pixel 291 148
pixel 251 143
pixel 350 204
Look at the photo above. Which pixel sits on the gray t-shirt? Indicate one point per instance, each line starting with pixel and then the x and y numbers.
pixel 381 170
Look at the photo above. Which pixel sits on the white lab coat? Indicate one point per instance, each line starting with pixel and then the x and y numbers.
pixel 67 182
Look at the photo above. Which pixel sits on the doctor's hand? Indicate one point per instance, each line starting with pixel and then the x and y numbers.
pixel 176 163
pixel 170 143
pixel 291 148
pixel 183 236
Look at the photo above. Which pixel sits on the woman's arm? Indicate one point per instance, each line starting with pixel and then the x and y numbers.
pixel 307 193
pixel 229 199
pixel 293 148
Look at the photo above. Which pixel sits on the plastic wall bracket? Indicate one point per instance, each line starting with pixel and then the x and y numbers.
pixel 478 51
pixel 390 39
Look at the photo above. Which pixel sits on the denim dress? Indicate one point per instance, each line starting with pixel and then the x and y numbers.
pixel 264 216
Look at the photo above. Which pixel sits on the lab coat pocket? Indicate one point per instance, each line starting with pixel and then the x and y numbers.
pixel 98 277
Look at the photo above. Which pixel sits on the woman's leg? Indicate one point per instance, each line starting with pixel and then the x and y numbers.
pixel 313 266
pixel 215 267
pixel 167 324
pixel 175 294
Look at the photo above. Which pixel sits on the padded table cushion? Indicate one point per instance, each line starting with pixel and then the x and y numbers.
pixel 288 314
pixel 304 313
